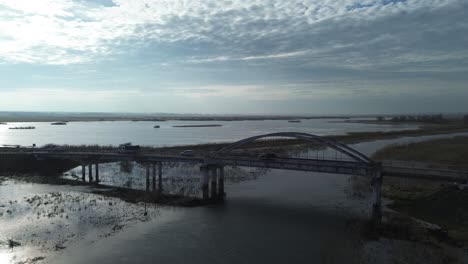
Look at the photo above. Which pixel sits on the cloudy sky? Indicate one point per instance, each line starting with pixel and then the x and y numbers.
pixel 238 56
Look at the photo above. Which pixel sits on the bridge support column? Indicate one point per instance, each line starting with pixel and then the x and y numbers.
pixel 97 172
pixel 83 172
pixel 147 177
pixel 204 182
pixel 377 206
pixel 154 177
pixel 90 171
pixel 221 193
pixel 214 188
pixel 160 183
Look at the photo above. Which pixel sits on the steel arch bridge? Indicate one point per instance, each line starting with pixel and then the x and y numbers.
pixel 358 163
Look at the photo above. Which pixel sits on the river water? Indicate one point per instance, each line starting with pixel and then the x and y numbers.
pixel 144 133
pixel 278 217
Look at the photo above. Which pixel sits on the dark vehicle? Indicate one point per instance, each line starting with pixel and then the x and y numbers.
pixel 55 148
pixel 267 156
pixel 128 148
pixel 186 153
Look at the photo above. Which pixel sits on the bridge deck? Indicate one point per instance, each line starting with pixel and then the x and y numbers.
pixel 313 165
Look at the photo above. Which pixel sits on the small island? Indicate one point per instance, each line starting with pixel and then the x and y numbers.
pixel 2 123
pixel 156 126
pixel 294 121
pixel 28 127
pixel 214 125
pixel 58 123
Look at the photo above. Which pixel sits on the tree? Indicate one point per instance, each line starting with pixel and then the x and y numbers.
pixel 465 119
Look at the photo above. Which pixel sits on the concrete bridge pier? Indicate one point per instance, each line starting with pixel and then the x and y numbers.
pixel 157 166
pixel 160 183
pixel 97 172
pixel 204 182
pixel 214 188
pixel 377 205
pixel 90 171
pixel 221 193
pixel 83 172
pixel 147 177
pixel 154 177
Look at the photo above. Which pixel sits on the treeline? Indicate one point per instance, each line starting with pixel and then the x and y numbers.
pixel 439 118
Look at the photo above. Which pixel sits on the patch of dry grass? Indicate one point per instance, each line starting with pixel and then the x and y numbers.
pixel 451 151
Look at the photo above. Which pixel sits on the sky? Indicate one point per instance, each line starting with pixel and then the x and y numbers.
pixel 309 57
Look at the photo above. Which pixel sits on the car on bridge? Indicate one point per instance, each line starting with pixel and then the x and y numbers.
pixel 267 156
pixel 128 148
pixel 187 153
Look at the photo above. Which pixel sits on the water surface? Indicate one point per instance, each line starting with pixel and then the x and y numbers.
pixel 143 133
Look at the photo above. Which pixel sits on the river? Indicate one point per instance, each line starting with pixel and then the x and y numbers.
pixel 277 217
pixel 144 133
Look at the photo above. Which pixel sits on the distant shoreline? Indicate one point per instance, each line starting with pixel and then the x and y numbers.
pixel 73 118
pixel 214 125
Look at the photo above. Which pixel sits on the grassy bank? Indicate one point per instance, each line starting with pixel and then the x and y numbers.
pixel 440 203
pixel 275 145
pixel 349 138
pixel 450 151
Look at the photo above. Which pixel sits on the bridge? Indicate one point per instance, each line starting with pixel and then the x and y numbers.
pixel 345 161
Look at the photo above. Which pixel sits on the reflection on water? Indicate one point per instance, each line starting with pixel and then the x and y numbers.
pixel 37 219
pixel 178 178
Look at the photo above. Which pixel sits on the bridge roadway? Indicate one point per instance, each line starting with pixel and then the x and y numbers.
pixel 312 165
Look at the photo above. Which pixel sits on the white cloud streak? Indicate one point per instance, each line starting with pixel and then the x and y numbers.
pixel 69 32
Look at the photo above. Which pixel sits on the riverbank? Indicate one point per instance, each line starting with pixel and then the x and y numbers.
pixel 349 138
pixel 440 203
pixel 451 152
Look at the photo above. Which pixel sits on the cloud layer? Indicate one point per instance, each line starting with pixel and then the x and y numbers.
pixel 265 49
pixel 352 33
